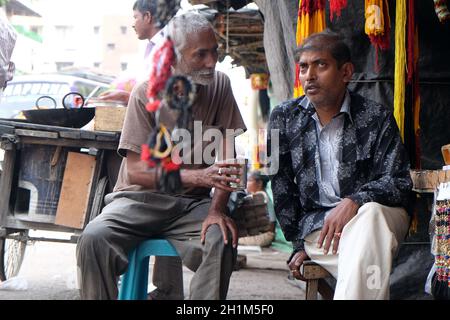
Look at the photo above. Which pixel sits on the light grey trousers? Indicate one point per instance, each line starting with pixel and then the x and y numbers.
pixel 131 217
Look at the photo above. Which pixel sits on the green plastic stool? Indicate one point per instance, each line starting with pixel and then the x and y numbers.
pixel 135 280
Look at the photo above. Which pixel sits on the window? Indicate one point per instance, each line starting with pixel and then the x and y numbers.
pixel 64 31
pixel 36 29
pixel 111 46
pixel 63 34
pixel 96 64
pixel 96 29
pixel 62 65
pixel 124 66
pixel 123 29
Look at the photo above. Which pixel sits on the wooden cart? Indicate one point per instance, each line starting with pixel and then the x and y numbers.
pixel 52 179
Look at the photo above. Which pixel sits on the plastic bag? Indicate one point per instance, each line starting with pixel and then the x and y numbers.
pixel 14 284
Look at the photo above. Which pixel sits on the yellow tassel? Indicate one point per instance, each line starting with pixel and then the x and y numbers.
pixel 307 25
pixel 400 63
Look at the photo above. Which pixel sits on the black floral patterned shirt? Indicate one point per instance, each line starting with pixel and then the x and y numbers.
pixel 374 166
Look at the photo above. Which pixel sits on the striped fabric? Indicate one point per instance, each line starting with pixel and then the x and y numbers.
pixel 7 42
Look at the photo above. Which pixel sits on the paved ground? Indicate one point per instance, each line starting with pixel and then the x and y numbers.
pixel 49 273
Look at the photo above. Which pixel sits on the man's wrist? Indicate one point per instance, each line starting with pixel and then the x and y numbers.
pixel 191 178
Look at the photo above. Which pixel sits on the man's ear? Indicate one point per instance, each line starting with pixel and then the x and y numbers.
pixel 148 17
pixel 347 71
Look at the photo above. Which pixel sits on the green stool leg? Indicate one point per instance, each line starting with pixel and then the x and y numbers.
pixel 135 280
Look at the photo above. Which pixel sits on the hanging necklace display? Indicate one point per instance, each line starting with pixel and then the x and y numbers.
pixel 441 279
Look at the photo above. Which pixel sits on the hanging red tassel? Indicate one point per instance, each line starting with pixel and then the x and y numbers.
pixel 336 7
pixel 410 40
pixel 153 105
pixel 310 6
pixel 163 59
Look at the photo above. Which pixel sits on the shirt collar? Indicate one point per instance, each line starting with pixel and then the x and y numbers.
pixel 159 36
pixel 307 105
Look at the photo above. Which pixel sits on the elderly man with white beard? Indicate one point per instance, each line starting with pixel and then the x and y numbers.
pixel 198 226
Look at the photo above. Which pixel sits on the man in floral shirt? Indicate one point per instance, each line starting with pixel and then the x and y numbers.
pixel 343 181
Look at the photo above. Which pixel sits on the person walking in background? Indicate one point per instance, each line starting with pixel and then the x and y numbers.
pixel 147 28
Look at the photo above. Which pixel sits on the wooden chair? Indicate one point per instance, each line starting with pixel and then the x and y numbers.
pixel 315 281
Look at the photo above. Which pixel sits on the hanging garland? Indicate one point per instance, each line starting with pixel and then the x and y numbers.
pixel 336 7
pixel 311 19
pixel 441 279
pixel 377 26
pixel 441 9
pixel 160 72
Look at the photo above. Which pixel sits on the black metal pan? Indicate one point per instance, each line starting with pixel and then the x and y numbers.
pixel 73 115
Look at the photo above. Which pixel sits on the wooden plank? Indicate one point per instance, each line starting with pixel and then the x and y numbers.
pixel 6 129
pixel 312 287
pixel 37 134
pixel 325 290
pixel 75 190
pixel 6 180
pixel 88 135
pixel 13 223
pixel 311 270
pixel 109 145
pixel 109 118
pixel 70 134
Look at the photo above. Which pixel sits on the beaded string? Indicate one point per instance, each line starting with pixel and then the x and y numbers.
pixel 442 256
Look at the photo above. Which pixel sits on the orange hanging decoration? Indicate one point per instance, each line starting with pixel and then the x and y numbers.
pixel 311 19
pixel 378 25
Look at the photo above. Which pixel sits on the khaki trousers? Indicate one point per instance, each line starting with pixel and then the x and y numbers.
pixel 368 244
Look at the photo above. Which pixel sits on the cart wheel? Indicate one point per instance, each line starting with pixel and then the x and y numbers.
pixel 98 202
pixel 12 251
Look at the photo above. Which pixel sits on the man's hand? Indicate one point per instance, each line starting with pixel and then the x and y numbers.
pixel 335 223
pixel 225 223
pixel 295 264
pixel 116 95
pixel 218 176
